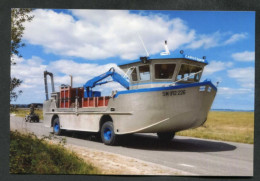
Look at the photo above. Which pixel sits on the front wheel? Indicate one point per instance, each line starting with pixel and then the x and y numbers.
pixel 56 127
pixel 108 135
pixel 26 118
pixel 166 136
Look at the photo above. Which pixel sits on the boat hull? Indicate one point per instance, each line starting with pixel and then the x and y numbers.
pixel 168 109
pixel 149 110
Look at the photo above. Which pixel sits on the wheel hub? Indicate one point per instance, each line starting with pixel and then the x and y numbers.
pixel 56 128
pixel 107 134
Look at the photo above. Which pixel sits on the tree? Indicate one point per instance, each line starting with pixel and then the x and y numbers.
pixel 18 17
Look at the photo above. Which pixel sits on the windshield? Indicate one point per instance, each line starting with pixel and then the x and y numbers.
pixel 164 71
pixel 144 72
pixel 189 73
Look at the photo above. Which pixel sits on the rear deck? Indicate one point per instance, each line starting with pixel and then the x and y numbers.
pixel 71 97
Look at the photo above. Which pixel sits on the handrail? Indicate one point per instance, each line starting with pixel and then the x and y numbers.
pixel 185 78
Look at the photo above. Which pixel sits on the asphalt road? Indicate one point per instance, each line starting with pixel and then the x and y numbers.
pixel 193 155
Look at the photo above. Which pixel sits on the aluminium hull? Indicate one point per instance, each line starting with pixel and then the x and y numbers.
pixel 149 110
pixel 165 109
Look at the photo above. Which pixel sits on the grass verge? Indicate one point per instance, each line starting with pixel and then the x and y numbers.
pixel 225 126
pixel 30 155
pixel 23 112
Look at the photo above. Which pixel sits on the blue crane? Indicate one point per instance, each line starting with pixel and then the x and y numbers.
pixel 96 81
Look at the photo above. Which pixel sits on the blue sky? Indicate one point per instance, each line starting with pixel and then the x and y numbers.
pixel 86 43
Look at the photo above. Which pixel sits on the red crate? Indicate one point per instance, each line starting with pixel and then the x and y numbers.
pixel 68 96
pixel 103 101
pixel 95 101
pixel 89 102
pixel 65 97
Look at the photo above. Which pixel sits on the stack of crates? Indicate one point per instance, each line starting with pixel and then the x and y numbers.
pixel 68 96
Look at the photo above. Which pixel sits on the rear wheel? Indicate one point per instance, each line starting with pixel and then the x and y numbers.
pixel 108 135
pixel 56 127
pixel 165 136
pixel 37 119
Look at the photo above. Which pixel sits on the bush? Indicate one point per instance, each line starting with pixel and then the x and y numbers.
pixel 30 155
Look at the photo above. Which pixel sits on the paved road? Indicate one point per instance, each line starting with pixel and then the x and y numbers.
pixel 197 156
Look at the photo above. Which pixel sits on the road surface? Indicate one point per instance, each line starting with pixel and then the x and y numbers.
pixel 193 155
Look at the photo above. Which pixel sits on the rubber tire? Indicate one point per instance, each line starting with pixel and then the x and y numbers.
pixel 56 122
pixel 113 139
pixel 37 119
pixel 26 118
pixel 166 136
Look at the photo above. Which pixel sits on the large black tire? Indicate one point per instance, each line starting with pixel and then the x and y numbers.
pixel 166 136
pixel 108 135
pixel 35 118
pixel 56 127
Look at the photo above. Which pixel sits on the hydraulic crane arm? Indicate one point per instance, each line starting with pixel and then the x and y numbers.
pixel 96 80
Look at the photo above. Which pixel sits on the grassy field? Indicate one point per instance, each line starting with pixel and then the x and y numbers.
pixel 226 126
pixel 30 155
pixel 23 112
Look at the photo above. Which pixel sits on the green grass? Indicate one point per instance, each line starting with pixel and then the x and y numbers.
pixel 24 112
pixel 30 155
pixel 226 126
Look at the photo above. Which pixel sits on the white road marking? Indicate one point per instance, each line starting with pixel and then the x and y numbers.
pixel 186 165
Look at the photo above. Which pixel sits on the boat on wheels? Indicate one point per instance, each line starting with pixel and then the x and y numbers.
pixel 163 94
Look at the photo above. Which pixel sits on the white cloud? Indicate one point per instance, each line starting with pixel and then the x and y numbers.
pixel 206 41
pixel 245 76
pixel 244 56
pixel 215 66
pixel 231 91
pixel 17 59
pixel 236 37
pixel 98 34
pixel 215 39
pixel 30 71
pixel 71 67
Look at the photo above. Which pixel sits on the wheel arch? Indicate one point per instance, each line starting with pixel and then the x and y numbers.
pixel 103 119
pixel 53 118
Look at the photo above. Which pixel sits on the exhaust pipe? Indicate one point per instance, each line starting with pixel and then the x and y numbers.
pixel 46 84
pixel 71 80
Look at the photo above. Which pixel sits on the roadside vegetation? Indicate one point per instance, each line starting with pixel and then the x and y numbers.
pixel 23 112
pixel 225 126
pixel 30 155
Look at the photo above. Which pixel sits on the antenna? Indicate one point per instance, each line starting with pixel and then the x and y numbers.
pixel 167 52
pixel 143 45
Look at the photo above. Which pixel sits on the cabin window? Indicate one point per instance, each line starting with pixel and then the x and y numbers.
pixel 164 71
pixel 189 73
pixel 144 72
pixel 134 75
